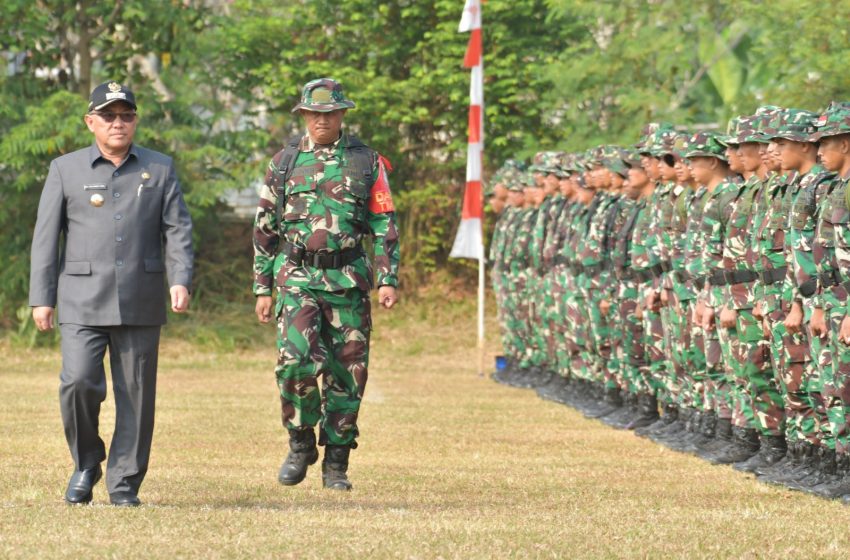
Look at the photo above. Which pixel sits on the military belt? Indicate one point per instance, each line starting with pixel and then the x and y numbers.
pixel 298 256
pixel 717 278
pixel 741 276
pixel 644 275
pixel 809 287
pixel 774 275
pixel 829 279
pixel 592 269
pixel 656 270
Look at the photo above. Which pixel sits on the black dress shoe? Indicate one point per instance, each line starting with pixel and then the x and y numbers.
pixel 124 499
pixel 80 485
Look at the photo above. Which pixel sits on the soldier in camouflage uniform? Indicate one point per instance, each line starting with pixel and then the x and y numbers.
pixel 832 255
pixel 807 189
pixel 322 195
pixel 629 346
pixel 498 200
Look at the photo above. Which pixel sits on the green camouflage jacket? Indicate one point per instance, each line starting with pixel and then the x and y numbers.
pixel 326 208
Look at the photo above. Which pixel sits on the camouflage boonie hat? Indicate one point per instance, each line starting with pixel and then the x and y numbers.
pixel 323 96
pixel 752 128
pixel 546 163
pixel 733 130
pixel 569 164
pixel 796 125
pixel 834 121
pixel 511 174
pixel 669 142
pixel 705 144
pixel 647 136
pixel 631 159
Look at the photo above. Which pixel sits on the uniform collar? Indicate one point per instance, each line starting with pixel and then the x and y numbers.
pixel 95 154
pixel 307 144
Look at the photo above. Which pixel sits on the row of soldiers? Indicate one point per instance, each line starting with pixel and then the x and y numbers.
pixel 692 288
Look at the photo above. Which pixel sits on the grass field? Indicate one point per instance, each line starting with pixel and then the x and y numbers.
pixel 450 465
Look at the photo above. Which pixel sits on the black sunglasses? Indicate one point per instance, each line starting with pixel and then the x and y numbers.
pixel 109 116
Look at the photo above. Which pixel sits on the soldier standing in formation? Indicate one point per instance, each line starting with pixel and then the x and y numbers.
pixel 693 288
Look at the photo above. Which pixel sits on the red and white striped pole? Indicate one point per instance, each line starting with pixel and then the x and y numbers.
pixel 469 242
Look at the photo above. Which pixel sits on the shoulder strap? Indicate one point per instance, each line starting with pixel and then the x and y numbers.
pixel 284 170
pixel 361 158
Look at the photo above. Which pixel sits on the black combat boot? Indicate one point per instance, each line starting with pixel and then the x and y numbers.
pixel 675 428
pixel 335 466
pixel 302 454
pixel 785 463
pixel 624 416
pixel 805 460
pixel 670 413
pixel 553 388
pixel 685 442
pixel 647 412
pixel 722 438
pixel 840 487
pixel 705 431
pixel 745 444
pixel 823 474
pixel 611 401
pixel 772 449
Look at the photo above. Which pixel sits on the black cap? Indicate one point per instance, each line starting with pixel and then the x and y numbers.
pixel 110 92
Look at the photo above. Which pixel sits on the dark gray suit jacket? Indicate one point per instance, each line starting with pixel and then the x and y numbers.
pixel 110 268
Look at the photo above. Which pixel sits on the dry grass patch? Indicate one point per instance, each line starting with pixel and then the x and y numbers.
pixel 450 465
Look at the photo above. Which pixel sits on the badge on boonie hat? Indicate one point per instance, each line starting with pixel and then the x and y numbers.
pixel 323 96
pixel 108 93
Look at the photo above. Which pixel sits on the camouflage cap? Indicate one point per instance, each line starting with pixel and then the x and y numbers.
pixel 797 125
pixel 733 130
pixel 510 174
pixel 752 128
pixel 569 164
pixel 834 121
pixel 323 96
pixel 648 134
pixel 705 144
pixel 669 142
pixel 546 163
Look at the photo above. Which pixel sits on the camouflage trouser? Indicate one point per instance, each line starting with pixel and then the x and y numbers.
pixel 753 368
pixel 670 326
pixel 792 364
pixel 689 356
pixel 578 315
pixel 517 309
pixel 734 395
pixel 546 336
pixel 561 330
pixel 541 321
pixel 600 339
pixel 631 350
pixel 323 334
pixel 822 359
pixel 497 278
pixel 836 386
pixel 716 392
pixel 654 342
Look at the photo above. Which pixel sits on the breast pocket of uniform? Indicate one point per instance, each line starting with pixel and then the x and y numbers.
pixel 355 194
pixel 840 218
pixel 300 196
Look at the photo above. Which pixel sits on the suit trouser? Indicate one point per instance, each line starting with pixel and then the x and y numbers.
pixel 133 353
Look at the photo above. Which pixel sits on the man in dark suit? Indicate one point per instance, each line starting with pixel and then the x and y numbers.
pixel 119 209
